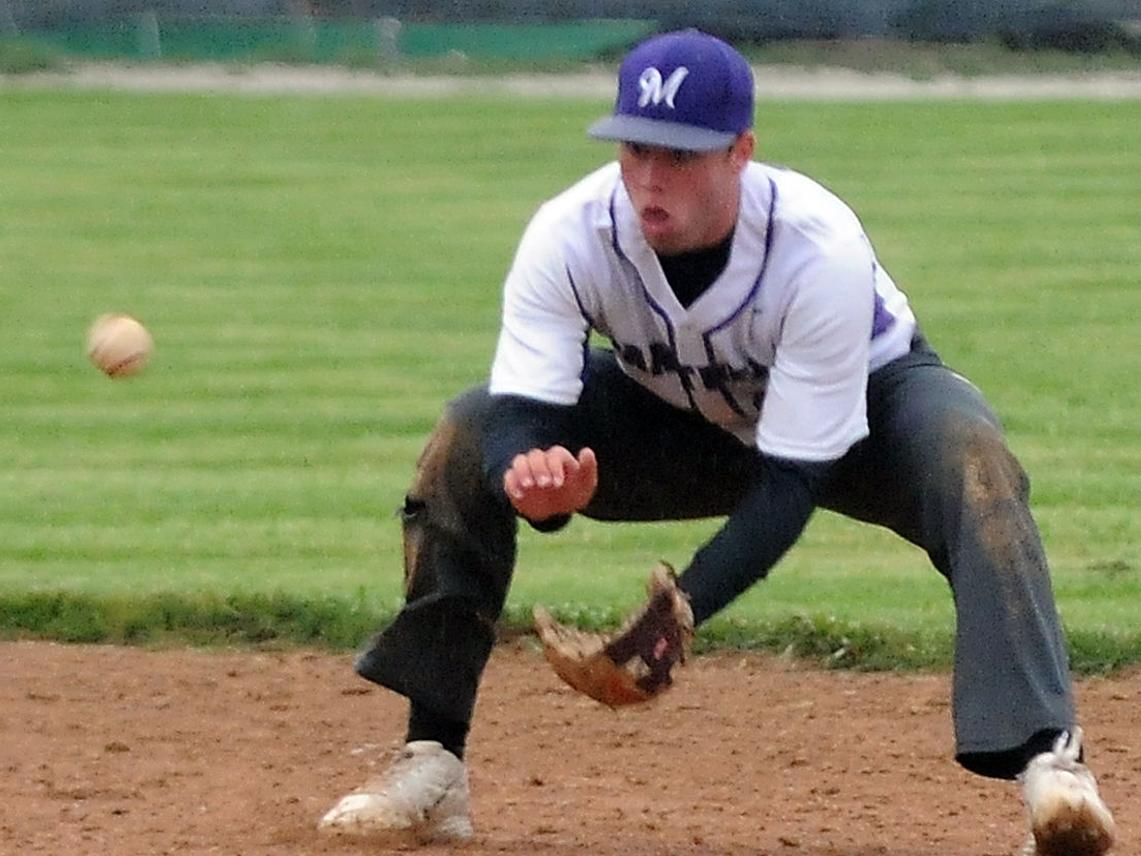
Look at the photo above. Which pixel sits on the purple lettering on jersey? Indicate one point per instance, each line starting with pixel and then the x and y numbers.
pixel 718 376
pixel 631 355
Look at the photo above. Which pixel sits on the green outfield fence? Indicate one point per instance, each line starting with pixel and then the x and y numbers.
pixel 150 36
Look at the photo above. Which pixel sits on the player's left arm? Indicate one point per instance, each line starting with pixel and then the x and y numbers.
pixel 821 366
pixel 814 410
pixel 815 404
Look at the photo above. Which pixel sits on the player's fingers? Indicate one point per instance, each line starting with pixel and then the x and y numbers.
pixel 588 464
pixel 562 465
pixel 583 470
pixel 520 472
pixel 512 485
pixel 539 467
pixel 585 479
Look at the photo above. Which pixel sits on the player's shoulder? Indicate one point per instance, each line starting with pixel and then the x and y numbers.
pixel 801 205
pixel 566 226
pixel 584 202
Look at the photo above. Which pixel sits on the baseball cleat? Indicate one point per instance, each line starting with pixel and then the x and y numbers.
pixel 1067 815
pixel 422 798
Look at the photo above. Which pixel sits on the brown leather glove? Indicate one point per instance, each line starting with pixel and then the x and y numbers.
pixel 633 664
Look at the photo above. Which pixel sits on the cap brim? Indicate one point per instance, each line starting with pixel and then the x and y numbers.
pixel 654 132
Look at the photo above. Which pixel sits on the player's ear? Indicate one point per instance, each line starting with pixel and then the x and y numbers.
pixel 742 149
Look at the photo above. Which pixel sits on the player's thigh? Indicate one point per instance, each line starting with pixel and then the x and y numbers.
pixel 930 429
pixel 655 461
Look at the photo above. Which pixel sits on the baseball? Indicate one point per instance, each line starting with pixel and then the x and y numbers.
pixel 119 345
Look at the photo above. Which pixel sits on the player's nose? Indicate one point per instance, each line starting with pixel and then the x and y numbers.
pixel 654 171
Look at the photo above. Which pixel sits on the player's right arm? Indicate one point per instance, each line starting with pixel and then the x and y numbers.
pixel 536 378
pixel 543 484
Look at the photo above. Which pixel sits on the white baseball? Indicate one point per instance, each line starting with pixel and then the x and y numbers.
pixel 119 345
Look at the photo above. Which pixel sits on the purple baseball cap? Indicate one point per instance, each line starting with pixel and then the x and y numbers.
pixel 681 90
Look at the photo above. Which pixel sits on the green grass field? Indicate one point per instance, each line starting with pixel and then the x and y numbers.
pixel 321 275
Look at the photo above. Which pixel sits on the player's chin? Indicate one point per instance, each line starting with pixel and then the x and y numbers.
pixel 661 236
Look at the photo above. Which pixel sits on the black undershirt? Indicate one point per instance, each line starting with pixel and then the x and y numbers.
pixel 691 273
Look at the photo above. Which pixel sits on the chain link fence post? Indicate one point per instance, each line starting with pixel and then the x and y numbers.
pixel 387 37
pixel 149 38
pixel 306 29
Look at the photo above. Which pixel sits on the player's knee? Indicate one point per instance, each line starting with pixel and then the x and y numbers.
pixel 975 465
pixel 976 513
pixel 452 451
pixel 446 484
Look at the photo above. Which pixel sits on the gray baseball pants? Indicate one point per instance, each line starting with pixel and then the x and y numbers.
pixel 935 469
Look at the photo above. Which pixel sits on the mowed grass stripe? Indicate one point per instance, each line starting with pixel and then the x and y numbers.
pixel 322 275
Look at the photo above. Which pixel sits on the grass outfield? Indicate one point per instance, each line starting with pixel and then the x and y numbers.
pixel 321 275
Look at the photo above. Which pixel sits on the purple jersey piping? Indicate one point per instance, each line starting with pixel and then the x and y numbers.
pixel 707 336
pixel 589 322
pixel 882 320
pixel 764 265
pixel 685 382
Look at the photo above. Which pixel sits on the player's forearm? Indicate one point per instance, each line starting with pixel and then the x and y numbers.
pixel 517 425
pixel 760 530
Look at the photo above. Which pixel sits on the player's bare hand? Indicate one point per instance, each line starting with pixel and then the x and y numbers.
pixel 545 483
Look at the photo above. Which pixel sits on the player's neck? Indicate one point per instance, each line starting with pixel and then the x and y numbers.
pixel 690 274
pixel 724 223
pixel 718 243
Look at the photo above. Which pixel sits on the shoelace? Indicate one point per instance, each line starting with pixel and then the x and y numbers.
pixel 1067 749
pixel 1064 755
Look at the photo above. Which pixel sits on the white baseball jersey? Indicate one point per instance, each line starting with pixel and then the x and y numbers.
pixel 777 350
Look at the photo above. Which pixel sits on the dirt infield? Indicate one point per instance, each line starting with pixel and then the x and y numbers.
pixel 123 751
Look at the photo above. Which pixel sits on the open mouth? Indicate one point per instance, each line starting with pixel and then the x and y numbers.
pixel 654 216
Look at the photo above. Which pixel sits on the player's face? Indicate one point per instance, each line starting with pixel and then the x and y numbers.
pixel 685 200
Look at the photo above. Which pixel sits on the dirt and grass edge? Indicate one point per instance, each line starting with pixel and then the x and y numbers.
pixel 335 623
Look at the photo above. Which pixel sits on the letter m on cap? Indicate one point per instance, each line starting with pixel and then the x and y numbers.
pixel 654 90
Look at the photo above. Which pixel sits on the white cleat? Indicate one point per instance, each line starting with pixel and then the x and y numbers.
pixel 1067 815
pixel 422 798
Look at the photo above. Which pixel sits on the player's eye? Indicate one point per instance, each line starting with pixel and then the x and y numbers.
pixel 676 157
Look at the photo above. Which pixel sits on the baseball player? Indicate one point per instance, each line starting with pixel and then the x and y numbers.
pixel 761 363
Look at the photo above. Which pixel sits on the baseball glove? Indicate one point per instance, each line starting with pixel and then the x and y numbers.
pixel 631 665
